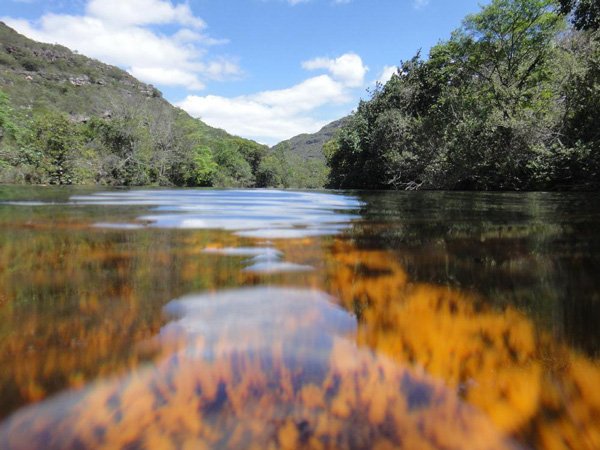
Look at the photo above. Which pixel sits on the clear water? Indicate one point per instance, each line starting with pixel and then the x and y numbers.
pixel 270 319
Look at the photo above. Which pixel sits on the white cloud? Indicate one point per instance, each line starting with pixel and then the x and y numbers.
pixel 119 32
pixel 272 116
pixel 220 68
pixel 386 74
pixel 246 116
pixel 306 96
pixel 418 4
pixel 143 12
pixel 348 69
pixel 185 35
pixel 165 76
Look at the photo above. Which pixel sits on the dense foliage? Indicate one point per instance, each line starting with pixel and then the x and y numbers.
pixel 586 13
pixel 68 119
pixel 137 145
pixel 285 168
pixel 510 101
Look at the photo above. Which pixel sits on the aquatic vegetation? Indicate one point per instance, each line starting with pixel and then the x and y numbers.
pixel 253 378
pixel 529 385
pixel 356 353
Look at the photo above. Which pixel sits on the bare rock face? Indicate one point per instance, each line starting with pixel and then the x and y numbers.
pixel 50 55
pixel 81 80
pixel 149 91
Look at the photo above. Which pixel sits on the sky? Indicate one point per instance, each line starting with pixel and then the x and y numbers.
pixel 262 69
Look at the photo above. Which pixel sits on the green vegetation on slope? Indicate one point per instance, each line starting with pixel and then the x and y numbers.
pixel 300 161
pixel 310 146
pixel 68 119
pixel 284 168
pixel 510 101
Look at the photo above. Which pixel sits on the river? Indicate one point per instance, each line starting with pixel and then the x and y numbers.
pixel 157 318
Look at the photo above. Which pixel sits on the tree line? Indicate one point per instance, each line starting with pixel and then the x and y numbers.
pixel 511 101
pixel 142 142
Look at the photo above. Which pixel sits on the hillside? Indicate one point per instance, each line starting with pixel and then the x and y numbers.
pixel 106 118
pixel 300 162
pixel 37 76
pixel 310 146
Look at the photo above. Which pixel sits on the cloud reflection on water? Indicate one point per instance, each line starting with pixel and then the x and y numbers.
pixel 265 214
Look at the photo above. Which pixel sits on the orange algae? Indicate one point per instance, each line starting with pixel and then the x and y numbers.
pixel 494 358
pixel 99 303
pixel 264 406
pixel 428 367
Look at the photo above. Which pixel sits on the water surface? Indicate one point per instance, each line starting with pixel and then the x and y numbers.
pixel 268 319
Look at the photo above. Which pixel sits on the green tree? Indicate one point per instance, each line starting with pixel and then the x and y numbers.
pixel 125 149
pixel 508 46
pixel 60 142
pixel 8 128
pixel 281 168
pixel 577 161
pixel 471 116
pixel 234 170
pixel 585 13
pixel 252 152
pixel 204 168
pixel 272 172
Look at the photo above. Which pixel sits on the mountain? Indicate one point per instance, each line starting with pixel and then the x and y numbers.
pixel 107 119
pixel 299 162
pixel 310 146
pixel 37 75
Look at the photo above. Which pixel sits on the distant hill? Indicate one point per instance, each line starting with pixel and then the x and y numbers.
pixel 38 79
pixel 310 146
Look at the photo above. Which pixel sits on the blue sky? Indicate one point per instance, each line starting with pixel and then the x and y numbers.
pixel 262 69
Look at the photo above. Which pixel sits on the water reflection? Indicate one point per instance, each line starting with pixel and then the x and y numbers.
pixel 265 260
pixel 538 252
pixel 76 299
pixel 254 214
pixel 432 321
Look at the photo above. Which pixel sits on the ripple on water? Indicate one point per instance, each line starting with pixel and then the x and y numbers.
pixel 264 260
pixel 254 214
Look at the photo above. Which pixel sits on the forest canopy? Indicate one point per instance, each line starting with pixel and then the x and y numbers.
pixel 511 101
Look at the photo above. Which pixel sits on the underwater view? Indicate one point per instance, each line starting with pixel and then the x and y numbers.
pixel 264 319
